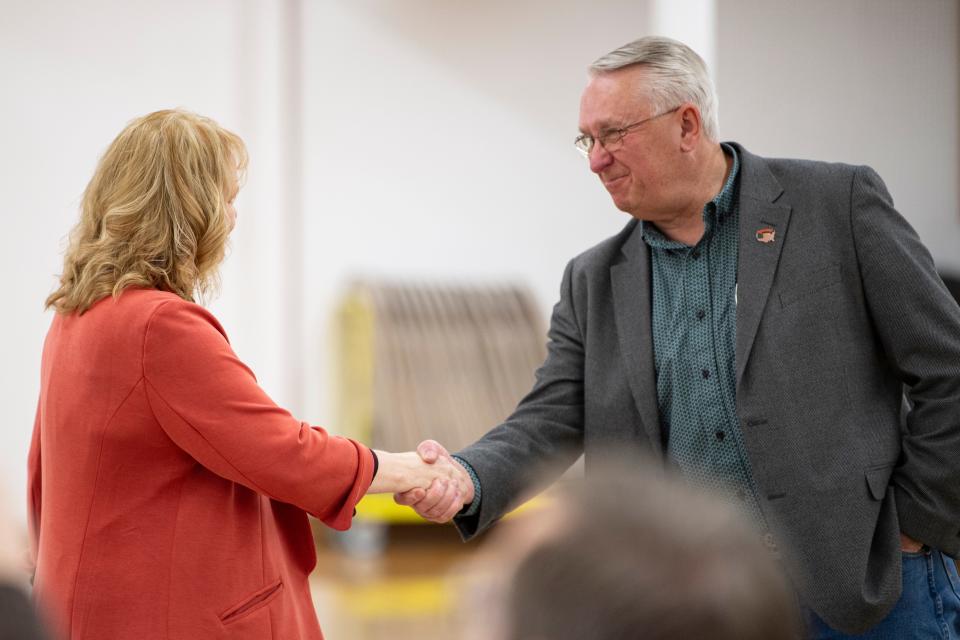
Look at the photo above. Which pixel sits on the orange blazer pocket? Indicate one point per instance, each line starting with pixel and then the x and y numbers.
pixel 253 602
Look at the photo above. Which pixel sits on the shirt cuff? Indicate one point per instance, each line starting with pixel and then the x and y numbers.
pixel 474 506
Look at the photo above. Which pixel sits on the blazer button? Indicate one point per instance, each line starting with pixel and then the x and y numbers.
pixel 769 542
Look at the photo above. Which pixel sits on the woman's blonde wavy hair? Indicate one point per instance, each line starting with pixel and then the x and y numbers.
pixel 154 213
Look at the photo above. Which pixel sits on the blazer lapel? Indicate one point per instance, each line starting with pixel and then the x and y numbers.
pixel 763 230
pixel 631 302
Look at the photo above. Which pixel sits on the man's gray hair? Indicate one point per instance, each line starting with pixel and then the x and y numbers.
pixel 676 75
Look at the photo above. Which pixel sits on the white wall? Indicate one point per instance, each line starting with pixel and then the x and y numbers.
pixel 861 81
pixel 438 145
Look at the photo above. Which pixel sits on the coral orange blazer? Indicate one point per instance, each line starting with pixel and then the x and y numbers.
pixel 168 495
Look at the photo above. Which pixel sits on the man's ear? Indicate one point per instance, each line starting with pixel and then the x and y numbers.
pixel 691 126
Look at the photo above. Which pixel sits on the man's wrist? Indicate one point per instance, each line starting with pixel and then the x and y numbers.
pixel 472 507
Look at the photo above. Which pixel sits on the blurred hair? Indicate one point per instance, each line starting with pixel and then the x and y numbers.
pixel 637 556
pixel 675 74
pixel 154 213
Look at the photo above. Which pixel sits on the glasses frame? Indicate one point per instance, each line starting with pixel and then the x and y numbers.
pixel 612 139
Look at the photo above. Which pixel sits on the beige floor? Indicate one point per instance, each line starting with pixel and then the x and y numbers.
pixel 410 590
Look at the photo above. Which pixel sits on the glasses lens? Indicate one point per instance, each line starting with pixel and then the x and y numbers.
pixel 611 140
pixel 583 144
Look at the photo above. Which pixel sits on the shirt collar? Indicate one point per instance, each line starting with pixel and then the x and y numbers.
pixel 714 211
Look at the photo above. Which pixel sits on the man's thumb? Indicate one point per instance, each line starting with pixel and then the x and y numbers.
pixel 430 451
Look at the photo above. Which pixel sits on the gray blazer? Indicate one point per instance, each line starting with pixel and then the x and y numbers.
pixel 835 318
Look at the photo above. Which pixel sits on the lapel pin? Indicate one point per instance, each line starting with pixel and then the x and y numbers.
pixel 766 235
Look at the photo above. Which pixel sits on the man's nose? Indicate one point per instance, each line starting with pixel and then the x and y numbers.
pixel 599 157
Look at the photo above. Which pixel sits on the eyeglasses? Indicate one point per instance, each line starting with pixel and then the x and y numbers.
pixel 612 139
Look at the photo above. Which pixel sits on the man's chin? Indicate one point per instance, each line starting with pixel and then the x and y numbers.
pixel 623 204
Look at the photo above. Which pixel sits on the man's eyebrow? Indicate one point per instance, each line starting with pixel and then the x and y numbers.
pixel 606 125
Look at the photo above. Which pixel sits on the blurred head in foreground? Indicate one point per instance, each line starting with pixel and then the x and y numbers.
pixel 632 555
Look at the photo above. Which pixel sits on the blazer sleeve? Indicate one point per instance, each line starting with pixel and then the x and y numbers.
pixel 544 435
pixel 209 403
pixel 918 323
pixel 34 486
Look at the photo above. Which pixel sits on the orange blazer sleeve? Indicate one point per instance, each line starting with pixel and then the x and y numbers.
pixel 209 403
pixel 33 490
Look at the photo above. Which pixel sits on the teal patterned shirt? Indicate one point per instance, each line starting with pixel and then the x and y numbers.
pixel 694 338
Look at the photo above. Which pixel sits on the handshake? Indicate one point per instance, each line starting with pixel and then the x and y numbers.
pixel 429 480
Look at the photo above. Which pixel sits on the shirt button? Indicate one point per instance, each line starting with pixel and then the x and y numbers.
pixel 695 254
pixel 701 314
pixel 706 373
pixel 721 435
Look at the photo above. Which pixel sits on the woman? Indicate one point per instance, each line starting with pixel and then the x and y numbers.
pixel 168 493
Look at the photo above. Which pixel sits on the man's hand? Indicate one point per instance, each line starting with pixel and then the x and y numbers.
pixel 909 545
pixel 438 503
pixel 403 472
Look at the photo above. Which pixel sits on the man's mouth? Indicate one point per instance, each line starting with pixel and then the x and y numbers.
pixel 611 182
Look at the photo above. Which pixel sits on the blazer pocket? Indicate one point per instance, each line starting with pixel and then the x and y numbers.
pixel 878 479
pixel 813 282
pixel 252 603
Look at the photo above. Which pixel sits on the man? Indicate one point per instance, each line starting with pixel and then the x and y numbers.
pixel 755 324
pixel 669 562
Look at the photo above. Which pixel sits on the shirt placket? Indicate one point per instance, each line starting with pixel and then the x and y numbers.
pixel 702 367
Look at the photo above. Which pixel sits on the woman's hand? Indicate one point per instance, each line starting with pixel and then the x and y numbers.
pixel 401 472
pixel 909 545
